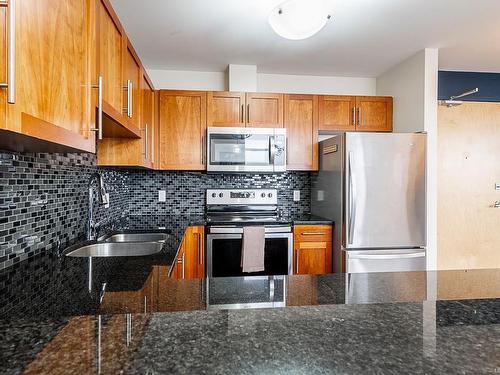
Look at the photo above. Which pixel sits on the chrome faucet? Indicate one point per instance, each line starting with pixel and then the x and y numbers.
pixel 103 201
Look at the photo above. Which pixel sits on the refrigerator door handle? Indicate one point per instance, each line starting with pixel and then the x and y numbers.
pixel 352 201
pixel 388 256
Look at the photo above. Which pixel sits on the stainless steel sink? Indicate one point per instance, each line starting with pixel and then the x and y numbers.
pixel 117 249
pixel 136 237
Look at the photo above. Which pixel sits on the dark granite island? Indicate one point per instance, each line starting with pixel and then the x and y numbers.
pixel 142 322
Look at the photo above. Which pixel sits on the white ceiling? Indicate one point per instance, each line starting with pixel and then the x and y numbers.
pixel 364 37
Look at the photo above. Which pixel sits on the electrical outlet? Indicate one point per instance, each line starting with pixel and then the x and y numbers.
pixel 296 195
pixel 162 196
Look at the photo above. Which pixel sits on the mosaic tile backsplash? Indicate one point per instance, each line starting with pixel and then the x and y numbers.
pixel 43 197
pixel 44 200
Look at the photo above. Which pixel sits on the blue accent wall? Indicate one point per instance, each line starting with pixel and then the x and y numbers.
pixel 455 83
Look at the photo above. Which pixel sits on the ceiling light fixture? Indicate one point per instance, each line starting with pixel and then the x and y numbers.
pixel 299 19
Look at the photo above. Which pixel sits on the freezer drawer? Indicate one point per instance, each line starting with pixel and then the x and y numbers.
pixel 393 260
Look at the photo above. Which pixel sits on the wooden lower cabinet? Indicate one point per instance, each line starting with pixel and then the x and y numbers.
pixel 190 260
pixel 312 249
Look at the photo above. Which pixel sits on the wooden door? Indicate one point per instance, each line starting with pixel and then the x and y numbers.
pixel 336 113
pixel 225 108
pixel 3 65
pixel 301 123
pixel 111 45
pixel 133 74
pixel 182 131
pixel 52 75
pixel 374 113
pixel 264 110
pixel 468 170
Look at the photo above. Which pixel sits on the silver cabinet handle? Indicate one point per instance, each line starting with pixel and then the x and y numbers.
pixel 359 116
pixel 313 233
pixel 242 114
pixel 128 108
pixel 145 144
pixel 352 200
pixel 248 113
pixel 98 127
pixel 203 150
pixel 200 250
pixel 297 262
pixel 10 85
pixel 183 266
pixel 146 147
pixel 130 98
pixel 354 115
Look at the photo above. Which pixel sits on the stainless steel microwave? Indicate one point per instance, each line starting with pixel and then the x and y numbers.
pixel 246 149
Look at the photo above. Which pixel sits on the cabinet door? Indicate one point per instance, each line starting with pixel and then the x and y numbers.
pixel 182 130
pixel 132 98
pixel 147 117
pixel 336 113
pixel 52 77
pixel 195 267
pixel 313 258
pixel 374 113
pixel 264 110
pixel 110 55
pixel 225 108
pixel 3 65
pixel 301 123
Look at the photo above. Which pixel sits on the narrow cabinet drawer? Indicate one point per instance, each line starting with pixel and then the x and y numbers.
pixel 306 233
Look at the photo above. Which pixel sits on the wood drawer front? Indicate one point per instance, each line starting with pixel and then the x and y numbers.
pixel 307 233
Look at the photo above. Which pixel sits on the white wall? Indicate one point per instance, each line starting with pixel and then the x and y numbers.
pixel 188 80
pixel 300 84
pixel 413 84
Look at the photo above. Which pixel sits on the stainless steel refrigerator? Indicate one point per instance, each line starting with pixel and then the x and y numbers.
pixel 372 185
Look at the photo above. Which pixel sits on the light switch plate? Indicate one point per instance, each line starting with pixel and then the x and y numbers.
pixel 296 195
pixel 162 196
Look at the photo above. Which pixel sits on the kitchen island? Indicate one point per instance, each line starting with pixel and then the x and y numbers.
pixel 133 318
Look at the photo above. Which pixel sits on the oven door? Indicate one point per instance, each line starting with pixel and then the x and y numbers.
pixel 246 150
pixel 224 255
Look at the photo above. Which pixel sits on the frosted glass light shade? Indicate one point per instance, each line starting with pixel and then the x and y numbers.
pixel 299 19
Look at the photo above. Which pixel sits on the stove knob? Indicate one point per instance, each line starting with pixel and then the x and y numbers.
pixel 221 195
pixel 270 195
pixel 214 195
pixel 263 195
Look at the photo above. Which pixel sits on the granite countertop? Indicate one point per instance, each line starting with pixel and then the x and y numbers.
pixel 132 318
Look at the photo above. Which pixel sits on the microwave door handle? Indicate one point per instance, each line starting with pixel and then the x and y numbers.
pixel 272 150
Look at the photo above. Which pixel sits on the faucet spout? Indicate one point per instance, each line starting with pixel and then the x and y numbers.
pixel 95 179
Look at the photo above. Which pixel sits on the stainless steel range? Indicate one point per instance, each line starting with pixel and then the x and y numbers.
pixel 228 211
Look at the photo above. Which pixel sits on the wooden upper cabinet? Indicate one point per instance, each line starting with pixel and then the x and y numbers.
pixel 336 113
pixel 374 113
pixel 133 75
pixel 52 93
pixel 147 117
pixel 225 108
pixel 182 130
pixel 312 249
pixel 301 123
pixel 110 55
pixel 264 110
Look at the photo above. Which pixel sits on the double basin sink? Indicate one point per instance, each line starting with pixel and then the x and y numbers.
pixel 122 245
